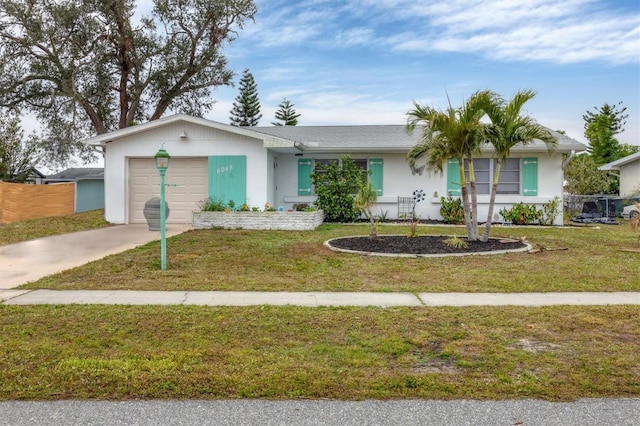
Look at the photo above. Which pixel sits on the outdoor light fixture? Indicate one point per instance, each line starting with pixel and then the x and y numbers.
pixel 162 164
pixel 162 161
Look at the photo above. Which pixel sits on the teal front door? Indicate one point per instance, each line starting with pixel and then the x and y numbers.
pixel 228 178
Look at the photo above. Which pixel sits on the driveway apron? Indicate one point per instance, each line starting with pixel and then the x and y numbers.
pixel 31 260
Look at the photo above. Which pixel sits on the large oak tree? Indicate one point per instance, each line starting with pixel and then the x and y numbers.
pixel 88 67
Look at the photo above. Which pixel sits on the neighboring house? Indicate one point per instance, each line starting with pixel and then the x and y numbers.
pixel 257 165
pixel 35 177
pixel 628 168
pixel 89 186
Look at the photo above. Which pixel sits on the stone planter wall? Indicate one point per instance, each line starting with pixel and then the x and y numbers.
pixel 288 221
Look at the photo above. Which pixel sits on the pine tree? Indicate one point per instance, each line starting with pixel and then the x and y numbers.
pixel 286 113
pixel 246 108
pixel 600 128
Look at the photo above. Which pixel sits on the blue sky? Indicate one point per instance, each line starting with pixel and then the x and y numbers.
pixel 366 61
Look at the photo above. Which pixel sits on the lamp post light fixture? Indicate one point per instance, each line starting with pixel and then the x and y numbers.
pixel 162 164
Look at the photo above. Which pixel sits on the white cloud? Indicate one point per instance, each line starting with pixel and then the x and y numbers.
pixel 568 31
pixel 355 37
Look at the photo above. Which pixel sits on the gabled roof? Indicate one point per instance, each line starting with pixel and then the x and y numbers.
pixel 382 138
pixel 616 165
pixel 101 140
pixel 78 173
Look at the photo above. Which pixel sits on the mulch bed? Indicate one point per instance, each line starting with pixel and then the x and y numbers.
pixel 422 244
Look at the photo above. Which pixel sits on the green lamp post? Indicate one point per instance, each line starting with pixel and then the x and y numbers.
pixel 162 164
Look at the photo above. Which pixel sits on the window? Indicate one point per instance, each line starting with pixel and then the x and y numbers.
pixel 373 167
pixel 510 176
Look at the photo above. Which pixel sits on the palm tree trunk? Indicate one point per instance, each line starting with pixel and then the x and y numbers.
pixel 372 221
pixel 474 201
pixel 492 200
pixel 465 200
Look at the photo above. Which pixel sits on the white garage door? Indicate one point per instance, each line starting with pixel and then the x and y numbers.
pixel 189 175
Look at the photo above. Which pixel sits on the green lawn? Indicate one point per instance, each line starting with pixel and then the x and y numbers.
pixel 298 261
pixel 118 352
pixel 15 232
pixel 137 352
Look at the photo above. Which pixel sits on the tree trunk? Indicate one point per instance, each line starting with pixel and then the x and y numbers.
pixel 492 201
pixel 465 200
pixel 474 201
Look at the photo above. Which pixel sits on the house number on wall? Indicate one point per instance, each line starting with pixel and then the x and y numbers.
pixel 224 169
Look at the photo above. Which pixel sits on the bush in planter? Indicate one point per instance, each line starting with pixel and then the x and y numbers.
pixel 300 207
pixel 212 205
pixel 521 214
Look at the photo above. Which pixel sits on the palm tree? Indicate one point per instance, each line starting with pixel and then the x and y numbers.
pixel 454 133
pixel 364 200
pixel 508 128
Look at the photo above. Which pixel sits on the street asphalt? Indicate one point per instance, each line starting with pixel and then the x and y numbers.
pixel 584 412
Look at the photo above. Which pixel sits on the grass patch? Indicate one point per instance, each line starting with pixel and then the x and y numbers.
pixel 11 233
pixel 551 353
pixel 244 260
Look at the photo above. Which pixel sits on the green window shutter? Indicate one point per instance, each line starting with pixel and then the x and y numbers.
pixel 228 178
pixel 375 174
pixel 453 178
pixel 304 176
pixel 530 177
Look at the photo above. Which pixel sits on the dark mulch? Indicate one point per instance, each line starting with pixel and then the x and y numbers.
pixel 422 244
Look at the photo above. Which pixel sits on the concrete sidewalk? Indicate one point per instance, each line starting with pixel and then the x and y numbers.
pixel 31 260
pixel 311 299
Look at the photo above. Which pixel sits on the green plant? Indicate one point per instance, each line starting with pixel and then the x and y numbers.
pixel 456 242
pixel 549 212
pixel 231 204
pixel 363 201
pixel 299 207
pixel 244 207
pixel 255 209
pixel 382 216
pixel 451 210
pixel 212 204
pixel 521 214
pixel 335 183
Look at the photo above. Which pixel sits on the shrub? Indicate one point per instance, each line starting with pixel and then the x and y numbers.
pixel 212 205
pixel 335 184
pixel 300 207
pixel 521 214
pixel 451 210
pixel 550 211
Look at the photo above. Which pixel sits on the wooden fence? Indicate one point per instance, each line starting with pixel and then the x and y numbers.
pixel 21 202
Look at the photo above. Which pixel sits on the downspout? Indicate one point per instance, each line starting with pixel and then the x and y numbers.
pixel 566 162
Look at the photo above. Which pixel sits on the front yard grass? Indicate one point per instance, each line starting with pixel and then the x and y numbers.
pixel 350 353
pixel 11 233
pixel 243 260
pixel 134 352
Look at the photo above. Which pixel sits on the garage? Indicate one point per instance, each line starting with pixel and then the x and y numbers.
pixel 186 181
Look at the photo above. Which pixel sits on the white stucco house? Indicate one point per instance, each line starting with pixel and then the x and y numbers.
pixel 257 165
pixel 628 169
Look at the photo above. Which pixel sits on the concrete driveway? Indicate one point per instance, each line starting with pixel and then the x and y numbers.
pixel 31 260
